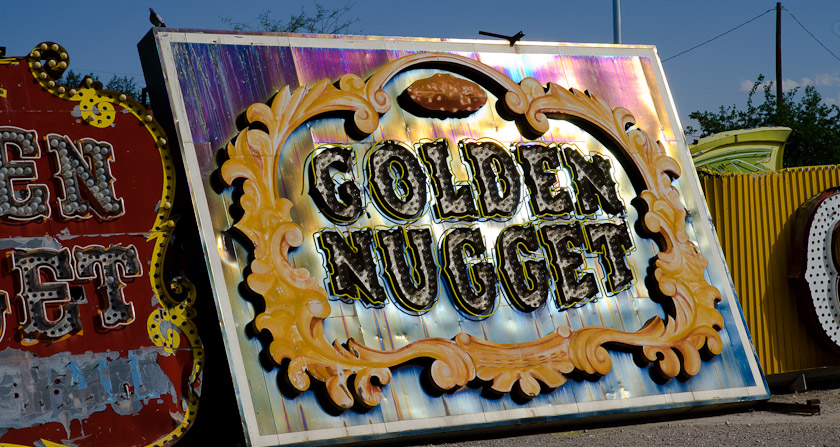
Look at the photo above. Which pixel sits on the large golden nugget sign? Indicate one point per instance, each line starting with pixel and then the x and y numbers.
pixel 97 345
pixel 409 237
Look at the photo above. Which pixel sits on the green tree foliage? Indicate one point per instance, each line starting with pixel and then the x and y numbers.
pixel 72 79
pixel 123 84
pixel 815 139
pixel 321 21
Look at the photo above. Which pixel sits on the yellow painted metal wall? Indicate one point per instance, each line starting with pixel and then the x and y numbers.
pixel 753 215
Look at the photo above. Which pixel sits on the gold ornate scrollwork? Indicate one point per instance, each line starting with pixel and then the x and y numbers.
pixel 296 304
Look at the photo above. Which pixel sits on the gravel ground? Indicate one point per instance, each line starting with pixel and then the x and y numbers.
pixel 745 428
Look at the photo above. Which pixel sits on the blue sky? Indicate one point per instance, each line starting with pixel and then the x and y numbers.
pixel 103 38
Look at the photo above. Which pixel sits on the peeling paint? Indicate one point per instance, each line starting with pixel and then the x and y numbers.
pixel 65 235
pixel 66 387
pixel 30 243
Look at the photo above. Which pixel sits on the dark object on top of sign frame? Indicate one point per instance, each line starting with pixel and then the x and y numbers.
pixel 156 19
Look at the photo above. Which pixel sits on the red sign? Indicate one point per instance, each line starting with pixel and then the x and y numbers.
pixel 96 342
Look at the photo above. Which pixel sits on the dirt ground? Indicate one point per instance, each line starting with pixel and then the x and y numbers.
pixel 753 427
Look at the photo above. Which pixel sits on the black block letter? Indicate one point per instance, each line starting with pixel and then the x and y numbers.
pixel 18 203
pixel 498 181
pixel 561 239
pixel 109 266
pixel 452 201
pixel 351 265
pixel 611 241
pixel 409 257
pixel 397 181
pixel 593 181
pixel 525 282
pixel 85 171
pixel 37 294
pixel 472 283
pixel 341 203
pixel 540 163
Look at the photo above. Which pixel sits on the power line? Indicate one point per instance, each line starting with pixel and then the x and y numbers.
pixel 719 35
pixel 811 34
pixel 85 70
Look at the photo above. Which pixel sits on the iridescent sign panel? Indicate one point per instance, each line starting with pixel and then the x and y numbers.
pixel 411 236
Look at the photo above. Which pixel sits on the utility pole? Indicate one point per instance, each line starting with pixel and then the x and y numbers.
pixel 616 21
pixel 778 57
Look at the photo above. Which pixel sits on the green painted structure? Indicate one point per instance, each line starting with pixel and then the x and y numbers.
pixel 744 150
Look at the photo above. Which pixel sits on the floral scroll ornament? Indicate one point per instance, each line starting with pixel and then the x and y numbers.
pixel 47 63
pixel 296 303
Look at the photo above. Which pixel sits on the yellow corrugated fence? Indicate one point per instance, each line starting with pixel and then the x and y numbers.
pixel 753 214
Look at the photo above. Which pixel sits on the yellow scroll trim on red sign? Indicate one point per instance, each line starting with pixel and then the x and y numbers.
pixel 296 303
